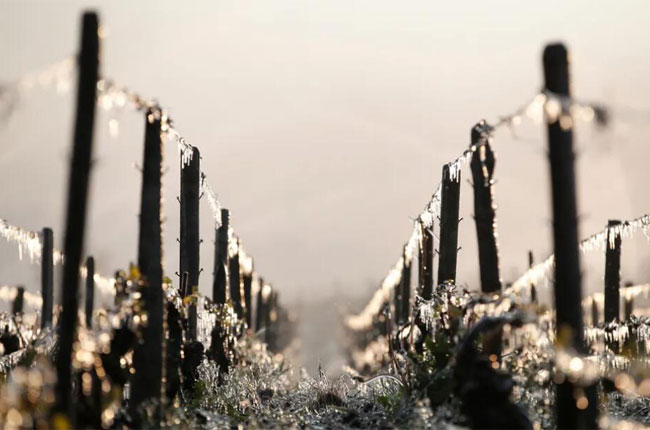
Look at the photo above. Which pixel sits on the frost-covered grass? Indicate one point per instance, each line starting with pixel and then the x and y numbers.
pixel 264 391
pixel 450 377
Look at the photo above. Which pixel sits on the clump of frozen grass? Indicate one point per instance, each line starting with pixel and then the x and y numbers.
pixel 262 391
pixel 619 407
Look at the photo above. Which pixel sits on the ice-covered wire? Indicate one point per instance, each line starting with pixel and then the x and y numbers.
pixel 598 241
pixel 31 242
pixel 112 95
pixel 57 75
pixel 542 105
pixel 28 241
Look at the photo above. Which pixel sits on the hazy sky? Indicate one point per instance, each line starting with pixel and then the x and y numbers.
pixel 324 125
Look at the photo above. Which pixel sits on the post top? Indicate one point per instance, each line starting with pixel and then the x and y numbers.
pixel 90 18
pixel 556 68
pixel 556 52
pixel 478 130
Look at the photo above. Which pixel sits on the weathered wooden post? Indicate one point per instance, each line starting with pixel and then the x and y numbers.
pixel 19 300
pixel 189 231
pixel 482 166
pixel 219 284
pixel 594 312
pixel 612 303
pixel 148 355
pixel 90 291
pixel 259 307
pixel 426 262
pixel 576 407
pixel 76 211
pixel 629 307
pixel 235 282
pixel 47 278
pixel 185 284
pixel 533 289
pixel 186 290
pixel 193 350
pixel 405 287
pixel 248 300
pixel 397 303
pixel 271 316
pixel 218 351
pixel 612 273
pixel 173 350
pixel 449 208
pixel 612 278
pixel 632 345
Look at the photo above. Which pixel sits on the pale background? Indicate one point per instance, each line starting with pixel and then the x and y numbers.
pixel 323 126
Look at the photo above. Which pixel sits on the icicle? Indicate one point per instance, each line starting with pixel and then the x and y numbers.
pixel 598 241
pixel 213 200
pixel 26 240
pixel 457 164
pixel 533 276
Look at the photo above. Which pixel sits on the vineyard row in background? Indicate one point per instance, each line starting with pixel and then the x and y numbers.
pixel 406 321
pixel 167 328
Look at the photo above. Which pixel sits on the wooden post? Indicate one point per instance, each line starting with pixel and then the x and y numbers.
pixel 629 307
pixel 19 300
pixel 221 259
pixel 268 306
pixel 259 307
pixel 186 290
pixel 173 350
pixel 189 240
pixel 235 284
pixel 635 343
pixel 449 208
pixel 405 286
pixel 632 345
pixel 185 284
pixel 248 284
pixel 482 165
pixel 270 316
pixel 426 262
pixel 148 354
pixel 47 278
pixel 76 210
pixel 218 351
pixel 575 408
pixel 612 306
pixel 90 290
pixel 189 232
pixel 397 303
pixel 533 289
pixel 612 273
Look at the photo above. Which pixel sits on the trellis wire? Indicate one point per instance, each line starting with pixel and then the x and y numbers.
pixel 598 241
pixel 31 242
